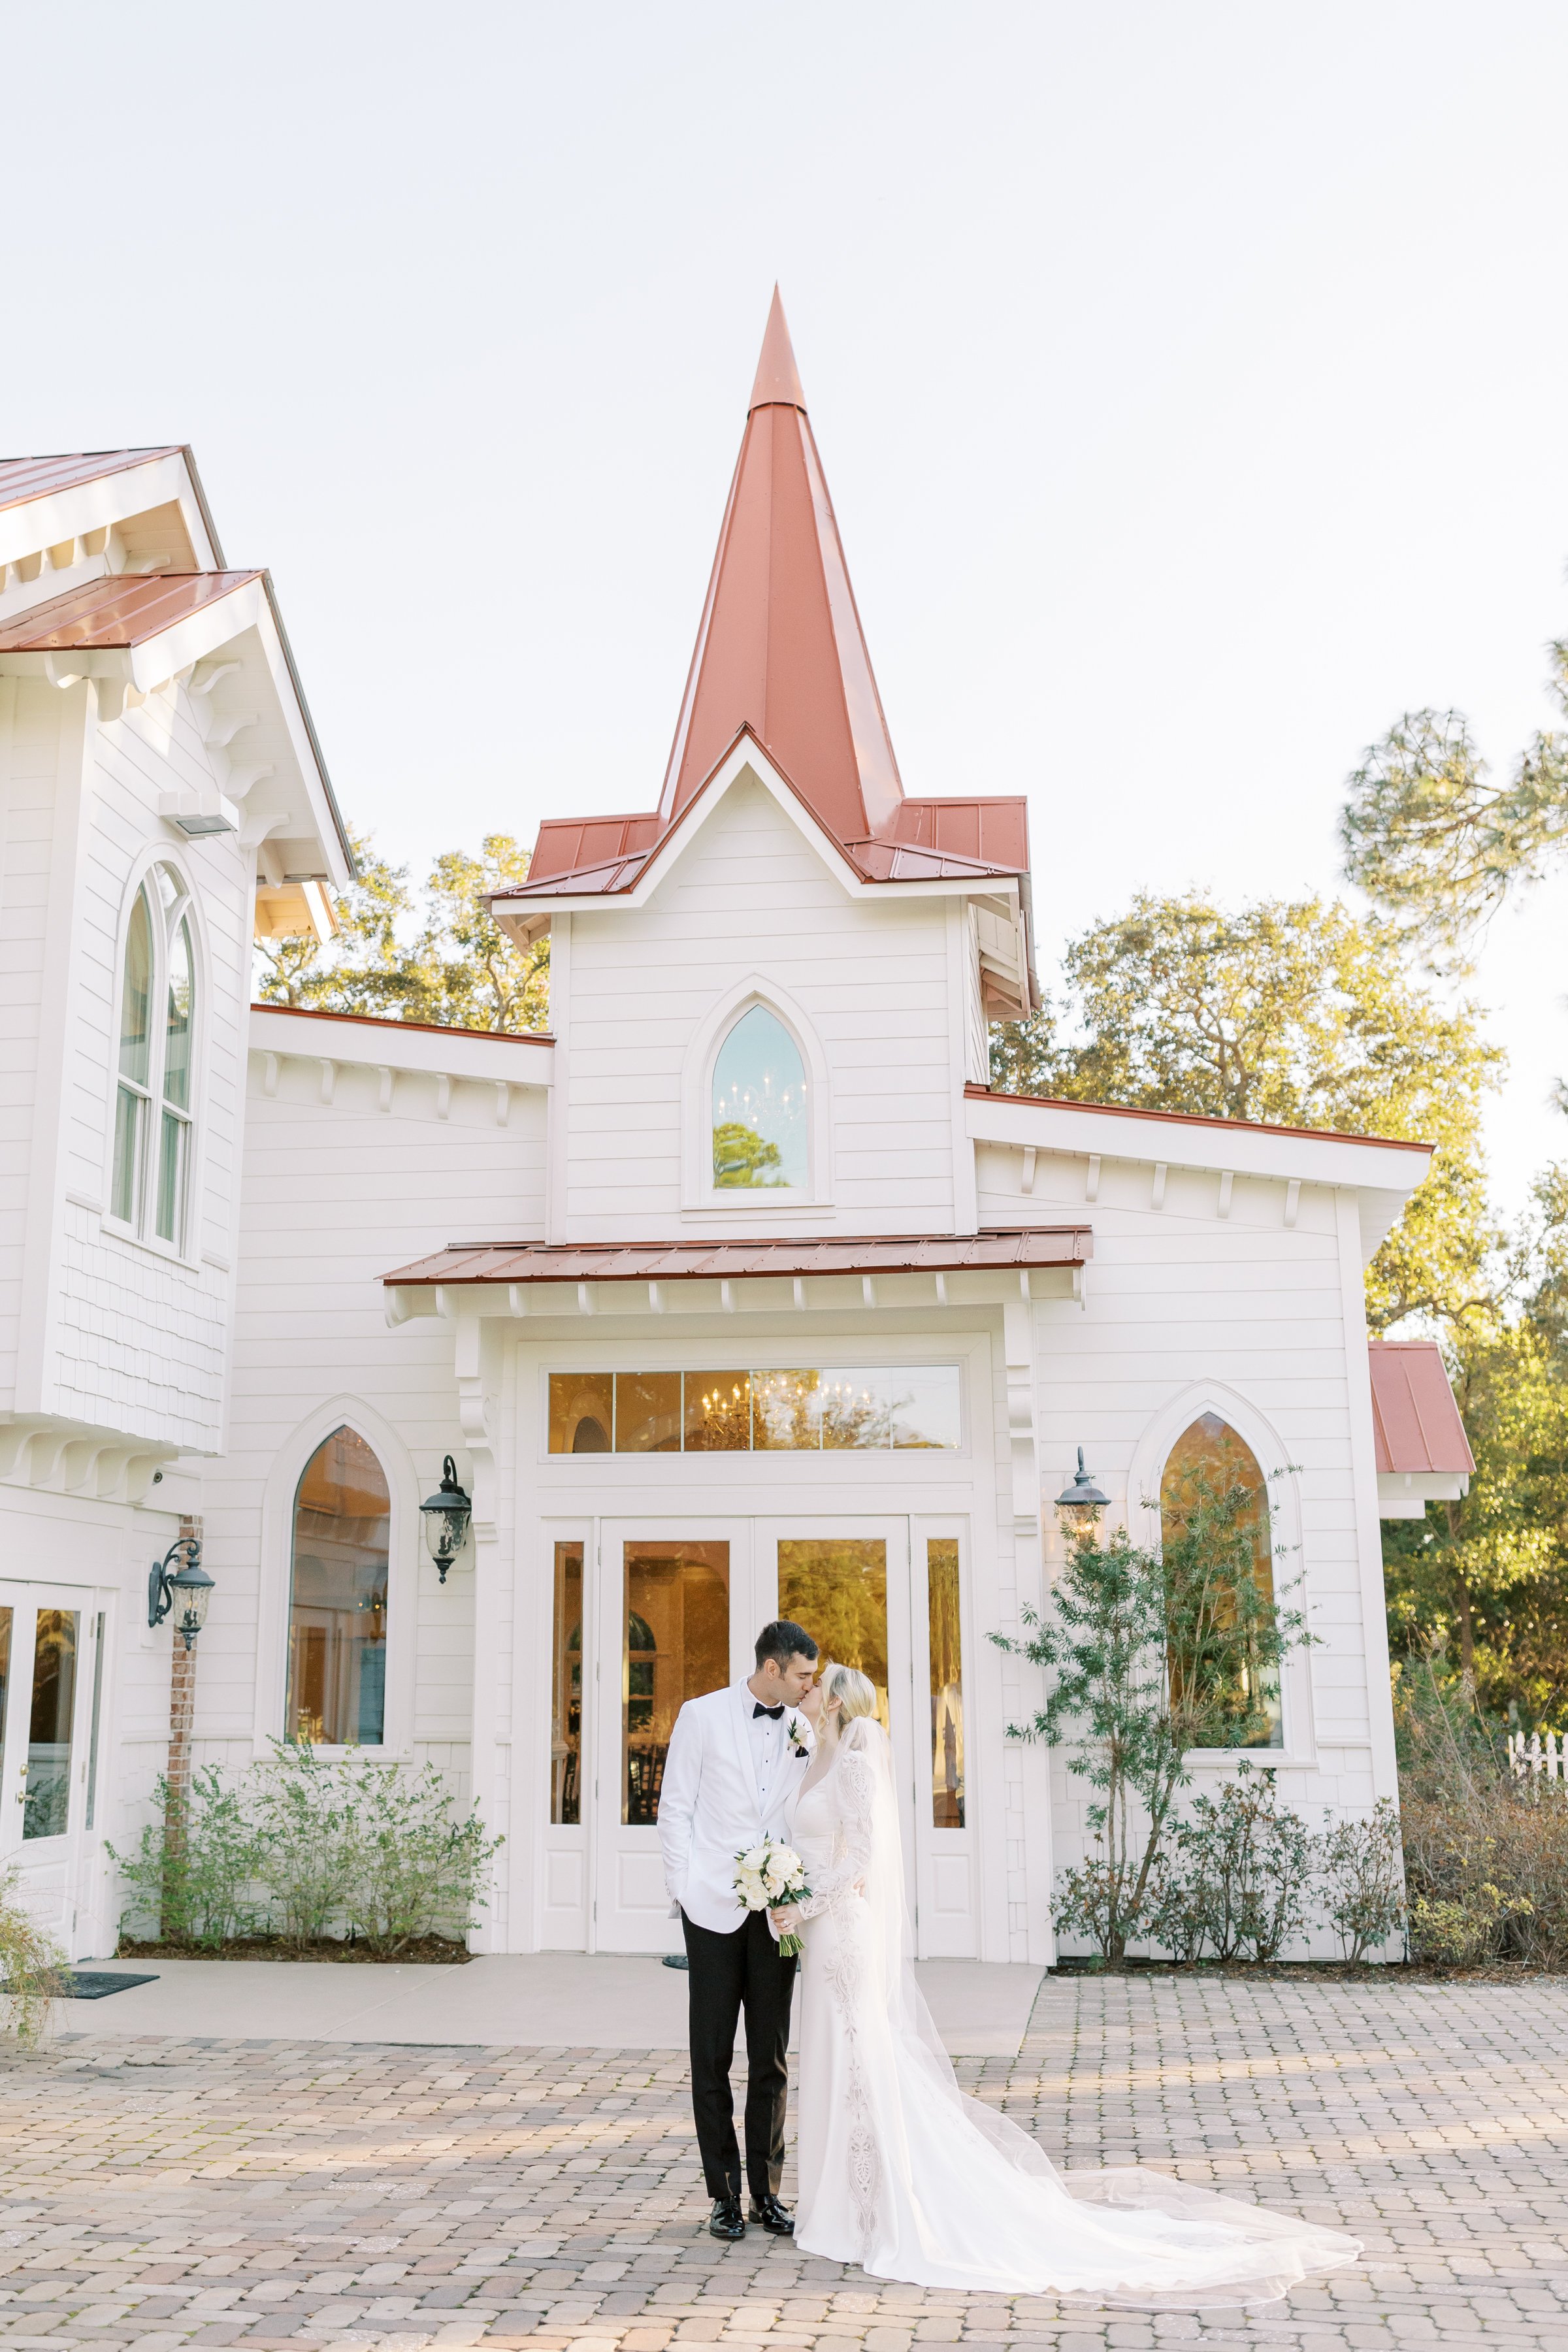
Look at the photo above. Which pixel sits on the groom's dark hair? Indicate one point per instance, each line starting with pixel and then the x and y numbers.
pixel 782 1641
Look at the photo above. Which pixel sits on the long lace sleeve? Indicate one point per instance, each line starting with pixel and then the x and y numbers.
pixel 854 1789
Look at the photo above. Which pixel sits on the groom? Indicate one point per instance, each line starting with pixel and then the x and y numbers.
pixel 735 1763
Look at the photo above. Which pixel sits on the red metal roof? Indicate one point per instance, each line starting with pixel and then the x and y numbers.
pixel 462 1261
pixel 1415 1422
pixel 385 1021
pixel 123 609
pixel 21 478
pixel 1193 1118
pixel 781 656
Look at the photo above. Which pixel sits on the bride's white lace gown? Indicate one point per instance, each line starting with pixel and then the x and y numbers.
pixel 902 2174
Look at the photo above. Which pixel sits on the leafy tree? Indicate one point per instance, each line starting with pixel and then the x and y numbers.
pixel 1483 1581
pixel 742 1157
pixel 1429 836
pixel 459 969
pixel 1151 1653
pixel 1297 1013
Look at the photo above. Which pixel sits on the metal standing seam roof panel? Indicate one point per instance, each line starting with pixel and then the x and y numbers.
pixel 122 609
pixel 24 478
pixel 509 1262
pixel 1415 1422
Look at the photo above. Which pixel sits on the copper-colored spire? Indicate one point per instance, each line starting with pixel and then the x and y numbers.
pixel 778 378
pixel 780 648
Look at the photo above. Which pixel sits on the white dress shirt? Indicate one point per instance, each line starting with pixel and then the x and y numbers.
pixel 770 1750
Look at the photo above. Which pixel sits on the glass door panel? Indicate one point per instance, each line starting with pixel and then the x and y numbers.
pixel 567 1688
pixel 46 1808
pixel 946 1881
pixel 837 1587
pixel 675 1618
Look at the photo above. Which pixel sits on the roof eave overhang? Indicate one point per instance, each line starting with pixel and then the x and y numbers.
pixel 163 478
pixel 1366 1163
pixel 515 909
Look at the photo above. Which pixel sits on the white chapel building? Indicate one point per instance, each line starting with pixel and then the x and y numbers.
pixel 739 1293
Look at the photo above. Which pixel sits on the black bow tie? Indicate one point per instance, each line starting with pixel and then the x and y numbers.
pixel 773 1712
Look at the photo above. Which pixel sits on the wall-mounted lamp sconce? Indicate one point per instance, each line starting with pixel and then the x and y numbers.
pixel 188 1587
pixel 446 1514
pixel 1082 1503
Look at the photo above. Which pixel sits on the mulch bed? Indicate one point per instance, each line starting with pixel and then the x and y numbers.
pixel 1389 1972
pixel 425 1951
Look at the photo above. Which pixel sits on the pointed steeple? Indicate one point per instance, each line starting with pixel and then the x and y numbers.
pixel 778 378
pixel 780 648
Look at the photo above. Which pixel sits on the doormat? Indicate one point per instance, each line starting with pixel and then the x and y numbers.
pixel 97 1984
pixel 675 1959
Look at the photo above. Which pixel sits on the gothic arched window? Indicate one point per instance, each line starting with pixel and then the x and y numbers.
pixel 760 1131
pixel 337 1603
pixel 1208 1460
pixel 150 1178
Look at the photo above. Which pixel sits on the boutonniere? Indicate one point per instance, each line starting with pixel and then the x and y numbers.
pixel 794 1732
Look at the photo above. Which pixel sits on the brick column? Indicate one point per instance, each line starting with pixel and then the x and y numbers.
pixel 182 1701
pixel 182 1716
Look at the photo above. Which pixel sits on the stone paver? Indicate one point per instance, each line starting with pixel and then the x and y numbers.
pixel 156 2194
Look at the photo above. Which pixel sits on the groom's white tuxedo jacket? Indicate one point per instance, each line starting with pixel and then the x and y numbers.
pixel 709 1806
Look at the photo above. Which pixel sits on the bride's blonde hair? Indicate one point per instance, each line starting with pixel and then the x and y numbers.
pixel 854 1692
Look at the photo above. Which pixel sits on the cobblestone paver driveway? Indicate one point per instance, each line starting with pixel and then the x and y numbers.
pixel 160 2194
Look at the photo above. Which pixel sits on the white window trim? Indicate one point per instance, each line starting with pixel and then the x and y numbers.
pixel 185 1250
pixel 405 1550
pixel 698 1192
pixel 1299 1751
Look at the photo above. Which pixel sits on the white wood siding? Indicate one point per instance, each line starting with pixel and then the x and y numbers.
pixel 751 896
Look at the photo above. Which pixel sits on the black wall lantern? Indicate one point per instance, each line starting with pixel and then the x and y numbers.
pixel 187 1588
pixel 446 1514
pixel 1082 1503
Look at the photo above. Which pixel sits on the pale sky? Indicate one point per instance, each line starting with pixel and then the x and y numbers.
pixel 1191 382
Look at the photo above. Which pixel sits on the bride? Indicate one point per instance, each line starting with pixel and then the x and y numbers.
pixel 902 2174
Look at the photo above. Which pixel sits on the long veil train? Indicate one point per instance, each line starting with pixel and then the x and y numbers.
pixel 992 2210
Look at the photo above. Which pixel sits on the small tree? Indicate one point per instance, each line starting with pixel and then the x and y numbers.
pixel 416 1868
pixel 1152 1653
pixel 34 1970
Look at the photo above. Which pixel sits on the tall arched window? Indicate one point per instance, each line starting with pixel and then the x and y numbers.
pixel 1210 1459
pixel 760 1138
pixel 337 1605
pixel 150 1180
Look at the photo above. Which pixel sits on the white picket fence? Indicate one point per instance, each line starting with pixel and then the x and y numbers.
pixel 1542 1752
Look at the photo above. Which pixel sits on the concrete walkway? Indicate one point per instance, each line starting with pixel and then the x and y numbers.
pixel 551 1999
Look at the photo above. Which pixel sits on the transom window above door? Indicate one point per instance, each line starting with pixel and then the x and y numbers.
pixel 833 1410
pixel 149 1180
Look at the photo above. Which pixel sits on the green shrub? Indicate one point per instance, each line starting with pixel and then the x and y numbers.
pixel 1237 1875
pixel 34 1971
pixel 415 1869
pixel 1361 1874
pixel 193 1869
pixel 306 1850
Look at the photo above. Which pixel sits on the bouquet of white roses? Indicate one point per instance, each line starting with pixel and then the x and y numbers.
pixel 767 1876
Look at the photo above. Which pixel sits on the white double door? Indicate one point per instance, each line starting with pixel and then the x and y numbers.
pixel 52 1668
pixel 673 1610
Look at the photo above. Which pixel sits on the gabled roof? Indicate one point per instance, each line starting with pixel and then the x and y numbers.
pixel 1416 1427
pixel 21 478
pixel 118 610
pixel 781 657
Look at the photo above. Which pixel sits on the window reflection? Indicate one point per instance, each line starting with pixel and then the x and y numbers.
pixel 837 1588
pixel 566 1688
pixel 946 1682
pixel 46 1809
pixel 676 1646
pixel 876 1408
pixel 337 1625
pixel 1210 1456
pixel 759 1106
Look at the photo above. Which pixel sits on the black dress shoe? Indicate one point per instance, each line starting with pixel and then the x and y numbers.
pixel 724 2221
pixel 773 2215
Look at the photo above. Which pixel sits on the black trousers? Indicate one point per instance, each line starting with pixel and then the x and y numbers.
pixel 727 1974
